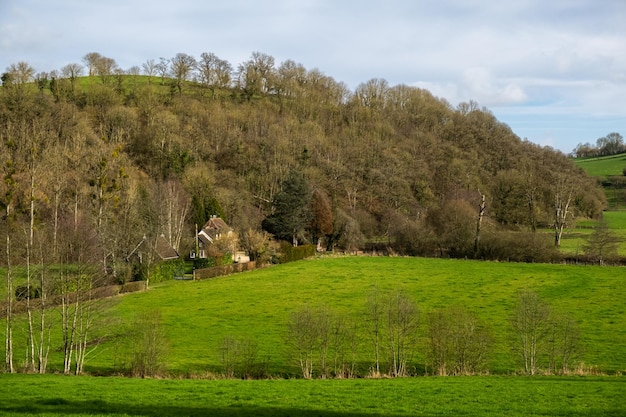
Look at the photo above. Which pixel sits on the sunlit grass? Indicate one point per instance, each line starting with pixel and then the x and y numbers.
pixel 603 166
pixel 52 396
pixel 197 316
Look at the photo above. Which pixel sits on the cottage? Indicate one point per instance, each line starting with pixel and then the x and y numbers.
pixel 212 230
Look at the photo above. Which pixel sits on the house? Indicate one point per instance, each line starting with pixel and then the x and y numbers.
pixel 162 248
pixel 212 230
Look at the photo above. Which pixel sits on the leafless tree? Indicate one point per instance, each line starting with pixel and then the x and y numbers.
pixel 214 72
pixel 402 318
pixel 181 67
pixel 303 339
pixel 149 69
pixel 531 326
pixel 149 345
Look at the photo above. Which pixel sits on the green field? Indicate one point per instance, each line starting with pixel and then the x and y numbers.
pixel 55 396
pixel 574 239
pixel 197 316
pixel 603 166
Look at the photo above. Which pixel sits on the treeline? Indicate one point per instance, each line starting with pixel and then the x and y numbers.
pixel 159 148
pixel 611 144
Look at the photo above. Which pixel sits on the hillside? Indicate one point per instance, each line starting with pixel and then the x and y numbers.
pixel 120 155
pixel 610 172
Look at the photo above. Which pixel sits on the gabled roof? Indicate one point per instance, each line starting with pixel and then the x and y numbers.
pixel 215 226
pixel 165 250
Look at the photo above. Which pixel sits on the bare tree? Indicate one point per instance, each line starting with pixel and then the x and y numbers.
pixel 91 61
pixel 564 343
pixel 402 318
pixel 303 339
pixel 181 67
pixel 564 188
pixel 531 325
pixel 214 72
pixel 162 68
pixel 149 69
pixel 374 320
pixel 149 345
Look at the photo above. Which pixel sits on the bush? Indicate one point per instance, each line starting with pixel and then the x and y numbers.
pixel 518 247
pixel 23 292
pixel 167 270
pixel 291 253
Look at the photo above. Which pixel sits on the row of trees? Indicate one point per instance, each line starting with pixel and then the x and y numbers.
pixel 394 332
pixel 611 144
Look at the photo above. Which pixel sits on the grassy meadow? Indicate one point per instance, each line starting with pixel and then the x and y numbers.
pixel 489 396
pixel 196 316
pixel 574 239
pixel 603 166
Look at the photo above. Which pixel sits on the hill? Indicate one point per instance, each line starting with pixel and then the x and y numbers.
pixel 123 155
pixel 610 172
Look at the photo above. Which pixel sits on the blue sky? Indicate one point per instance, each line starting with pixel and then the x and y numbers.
pixel 554 71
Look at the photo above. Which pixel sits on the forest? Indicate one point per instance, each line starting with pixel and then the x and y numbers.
pixel 96 159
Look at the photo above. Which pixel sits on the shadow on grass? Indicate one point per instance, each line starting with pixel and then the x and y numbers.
pixel 63 407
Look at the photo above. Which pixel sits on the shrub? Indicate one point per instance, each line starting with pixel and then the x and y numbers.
pixel 518 247
pixel 291 253
pixel 23 292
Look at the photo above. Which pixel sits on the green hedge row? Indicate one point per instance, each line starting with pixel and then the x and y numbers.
pixel 291 253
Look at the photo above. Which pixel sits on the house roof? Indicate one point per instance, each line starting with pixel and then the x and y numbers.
pixel 164 249
pixel 212 228
pixel 215 224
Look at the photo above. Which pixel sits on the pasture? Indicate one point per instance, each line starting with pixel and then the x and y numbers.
pixel 488 396
pixel 197 316
pixel 603 166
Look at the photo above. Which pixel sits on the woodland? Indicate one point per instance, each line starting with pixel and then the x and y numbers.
pixel 96 159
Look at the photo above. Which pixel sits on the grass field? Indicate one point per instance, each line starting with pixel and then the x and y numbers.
pixel 574 239
pixel 603 166
pixel 489 396
pixel 197 316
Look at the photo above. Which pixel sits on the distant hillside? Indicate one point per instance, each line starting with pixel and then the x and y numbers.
pixel 126 154
pixel 610 170
pixel 603 166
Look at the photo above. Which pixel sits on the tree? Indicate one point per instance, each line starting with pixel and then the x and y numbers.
pixel 256 75
pixel 291 210
pixel 459 342
pixel 402 318
pixel 181 67
pixel 149 344
pixel 531 327
pixel 214 72
pixel 602 244
pixel 322 215
pixel 149 69
pixel 303 337
pixel 91 61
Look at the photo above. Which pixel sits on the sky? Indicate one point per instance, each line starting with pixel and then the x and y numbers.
pixel 552 70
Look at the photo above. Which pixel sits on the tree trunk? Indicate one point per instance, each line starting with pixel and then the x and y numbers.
pixel 8 363
pixel 479 221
